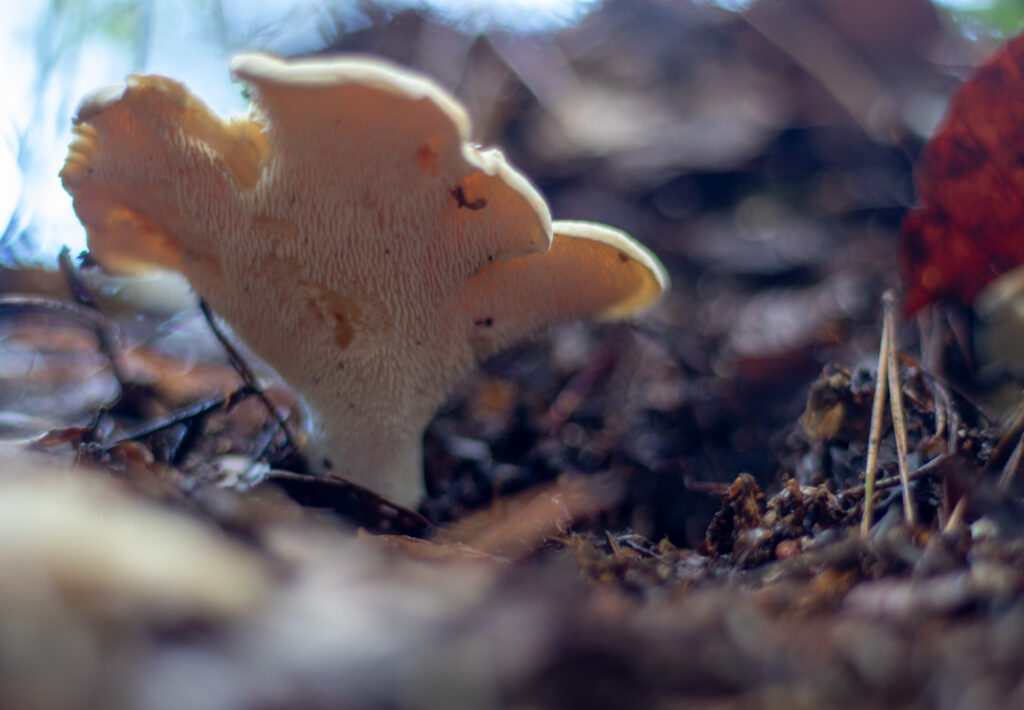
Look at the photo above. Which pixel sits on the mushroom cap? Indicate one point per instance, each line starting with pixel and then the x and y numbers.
pixel 591 271
pixel 349 233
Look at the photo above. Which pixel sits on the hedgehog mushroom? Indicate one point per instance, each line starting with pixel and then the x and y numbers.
pixel 349 234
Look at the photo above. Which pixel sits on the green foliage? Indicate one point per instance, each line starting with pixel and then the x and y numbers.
pixel 69 23
pixel 994 18
pixel 120 22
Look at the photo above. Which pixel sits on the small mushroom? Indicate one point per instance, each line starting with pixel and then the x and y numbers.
pixel 349 234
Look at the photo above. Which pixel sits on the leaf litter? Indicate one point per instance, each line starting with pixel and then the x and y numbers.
pixel 664 514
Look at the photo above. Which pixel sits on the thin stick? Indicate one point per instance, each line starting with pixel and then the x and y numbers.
pixel 245 372
pixel 84 296
pixel 1012 465
pixel 1009 470
pixel 899 421
pixel 182 416
pixel 953 418
pixel 875 435
pixel 945 427
pixel 957 516
pixel 1013 432
pixel 941 404
pixel 893 481
pixel 613 544
pixel 581 383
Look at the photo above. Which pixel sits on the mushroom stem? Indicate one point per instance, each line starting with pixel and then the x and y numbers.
pixel 370 453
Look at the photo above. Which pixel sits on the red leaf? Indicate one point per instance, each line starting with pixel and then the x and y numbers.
pixel 970 181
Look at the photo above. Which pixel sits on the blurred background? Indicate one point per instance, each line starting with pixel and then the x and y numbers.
pixel 650 91
pixel 763 149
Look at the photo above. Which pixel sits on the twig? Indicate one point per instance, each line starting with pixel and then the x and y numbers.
pixel 711 488
pixel 899 422
pixel 1010 468
pixel 1012 465
pixel 79 290
pixel 246 373
pixel 893 481
pixel 952 416
pixel 1014 434
pixel 947 424
pixel 84 296
pixel 182 416
pixel 193 430
pixel 265 442
pixel 613 545
pixel 940 402
pixel 1012 431
pixel 581 383
pixel 875 434
pixel 365 507
pixel 957 516
pixel 954 429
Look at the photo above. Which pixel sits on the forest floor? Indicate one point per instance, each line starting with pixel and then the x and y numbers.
pixel 665 513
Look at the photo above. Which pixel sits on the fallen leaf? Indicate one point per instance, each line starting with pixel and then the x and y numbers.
pixel 970 181
pixel 516 526
pixel 429 551
pixel 75 539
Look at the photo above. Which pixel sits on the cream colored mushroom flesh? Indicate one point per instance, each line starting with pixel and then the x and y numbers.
pixel 349 234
